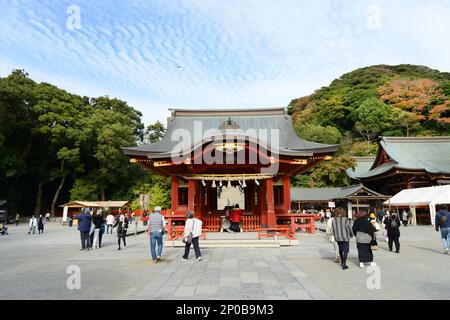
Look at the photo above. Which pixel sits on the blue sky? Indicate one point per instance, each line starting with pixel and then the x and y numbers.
pixel 215 54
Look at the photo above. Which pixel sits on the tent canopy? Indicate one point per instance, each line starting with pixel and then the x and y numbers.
pixel 96 204
pixel 421 196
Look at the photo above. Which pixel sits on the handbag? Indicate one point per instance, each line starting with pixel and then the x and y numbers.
pixel 374 244
pixel 188 239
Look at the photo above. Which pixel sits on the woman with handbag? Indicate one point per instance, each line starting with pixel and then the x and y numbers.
pixel 192 233
pixel 329 232
pixel 364 232
pixel 342 232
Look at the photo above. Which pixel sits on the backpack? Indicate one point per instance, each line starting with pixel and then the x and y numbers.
pixel 394 224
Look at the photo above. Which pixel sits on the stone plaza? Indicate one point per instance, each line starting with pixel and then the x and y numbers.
pixel 38 267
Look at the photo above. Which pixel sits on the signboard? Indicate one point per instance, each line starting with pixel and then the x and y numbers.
pixel 331 204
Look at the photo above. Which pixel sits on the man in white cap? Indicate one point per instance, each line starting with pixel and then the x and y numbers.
pixel 157 224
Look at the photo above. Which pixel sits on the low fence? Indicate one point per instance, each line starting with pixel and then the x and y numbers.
pixel 251 223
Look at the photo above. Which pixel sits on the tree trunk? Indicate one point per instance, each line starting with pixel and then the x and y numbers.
pixel 55 198
pixel 37 208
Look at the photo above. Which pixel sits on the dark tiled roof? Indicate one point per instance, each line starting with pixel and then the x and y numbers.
pixel 429 154
pixel 238 123
pixel 329 194
pixel 362 166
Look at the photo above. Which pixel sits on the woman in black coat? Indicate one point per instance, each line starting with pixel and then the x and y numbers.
pixel 392 224
pixel 364 232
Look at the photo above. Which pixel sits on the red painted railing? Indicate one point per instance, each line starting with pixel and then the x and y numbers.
pixel 251 223
pixel 212 223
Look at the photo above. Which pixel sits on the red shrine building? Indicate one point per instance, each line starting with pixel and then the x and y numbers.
pixel 219 158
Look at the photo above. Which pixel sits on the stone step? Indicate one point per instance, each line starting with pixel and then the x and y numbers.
pixel 237 243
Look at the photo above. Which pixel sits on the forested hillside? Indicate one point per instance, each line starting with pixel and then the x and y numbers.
pixel 56 146
pixel 360 106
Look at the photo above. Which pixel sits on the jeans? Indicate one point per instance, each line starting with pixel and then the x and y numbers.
pixel 109 226
pixel 196 248
pixel 96 235
pixel 156 237
pixel 343 251
pixel 85 240
pixel 445 235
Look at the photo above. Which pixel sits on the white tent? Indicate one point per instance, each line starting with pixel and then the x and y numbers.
pixel 430 196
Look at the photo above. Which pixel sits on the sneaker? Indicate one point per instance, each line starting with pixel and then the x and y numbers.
pixel 337 260
pixel 155 261
pixel 373 264
pixel 82 249
pixel 118 248
pixel 446 250
pixel 361 265
pixel 199 259
pixel 183 258
pixel 158 258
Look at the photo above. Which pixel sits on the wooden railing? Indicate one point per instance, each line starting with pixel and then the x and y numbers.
pixel 250 223
pixel 212 223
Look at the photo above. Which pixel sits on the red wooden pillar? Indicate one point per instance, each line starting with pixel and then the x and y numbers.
pixel 262 208
pixel 251 197
pixel 191 194
pixel 198 200
pixel 174 193
pixel 287 193
pixel 271 218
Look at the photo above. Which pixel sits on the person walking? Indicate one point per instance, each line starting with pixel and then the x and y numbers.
pixel 376 228
pixel 392 224
pixel 157 224
pixel 342 233
pixel 17 219
pixel 84 226
pixel 110 219
pixel 41 222
pixel 329 232
pixel 97 220
pixel 122 226
pixel 404 217
pixel 192 233
pixel 364 232
pixel 410 217
pixel 32 225
pixel 442 222
pixel 47 217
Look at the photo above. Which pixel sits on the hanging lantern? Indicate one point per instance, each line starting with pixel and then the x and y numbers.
pixel 244 184
pixel 257 183
pixel 214 184
pixel 204 183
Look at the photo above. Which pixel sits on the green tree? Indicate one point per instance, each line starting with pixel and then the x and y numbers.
pixel 154 132
pixel 332 173
pixel 372 117
pixel 317 133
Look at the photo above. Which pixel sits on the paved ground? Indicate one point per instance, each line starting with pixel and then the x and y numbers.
pixel 35 267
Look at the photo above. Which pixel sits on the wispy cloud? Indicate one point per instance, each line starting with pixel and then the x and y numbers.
pixel 202 53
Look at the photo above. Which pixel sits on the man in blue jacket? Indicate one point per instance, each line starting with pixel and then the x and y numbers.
pixel 442 222
pixel 84 226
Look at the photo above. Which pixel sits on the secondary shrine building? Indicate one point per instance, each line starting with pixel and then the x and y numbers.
pixel 219 158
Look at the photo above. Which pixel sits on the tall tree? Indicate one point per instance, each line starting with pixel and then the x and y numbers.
pixel 154 132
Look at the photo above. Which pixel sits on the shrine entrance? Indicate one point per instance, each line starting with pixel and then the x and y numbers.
pixel 233 164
